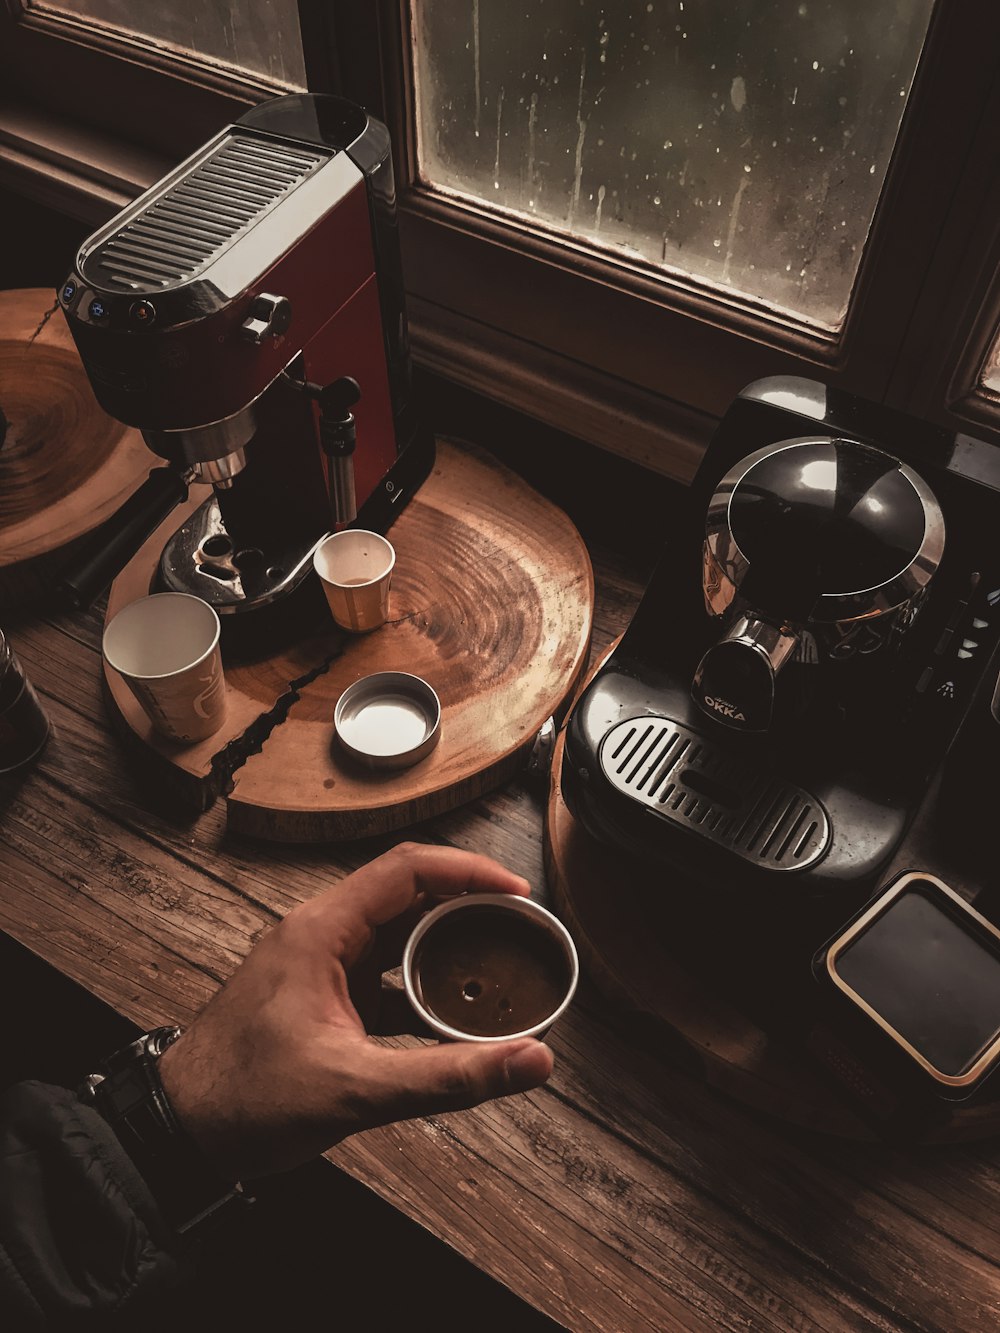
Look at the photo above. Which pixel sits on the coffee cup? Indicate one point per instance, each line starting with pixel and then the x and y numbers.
pixel 166 649
pixel 490 967
pixel 355 569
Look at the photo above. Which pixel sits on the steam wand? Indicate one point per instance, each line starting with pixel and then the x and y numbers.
pixel 338 436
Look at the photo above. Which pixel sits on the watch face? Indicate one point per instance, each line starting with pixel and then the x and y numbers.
pixel 159 1039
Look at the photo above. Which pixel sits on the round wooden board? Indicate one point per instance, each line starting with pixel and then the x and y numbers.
pixel 65 465
pixel 492 603
pixel 603 898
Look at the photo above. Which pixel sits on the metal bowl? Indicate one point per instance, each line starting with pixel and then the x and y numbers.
pixel 533 918
pixel 389 720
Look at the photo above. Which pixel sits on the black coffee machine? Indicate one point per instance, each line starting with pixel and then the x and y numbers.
pixel 824 611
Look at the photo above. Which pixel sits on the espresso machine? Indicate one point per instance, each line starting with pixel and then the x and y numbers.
pixel 824 611
pixel 811 659
pixel 247 315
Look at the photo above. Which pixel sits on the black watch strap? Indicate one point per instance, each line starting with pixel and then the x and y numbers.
pixel 129 1095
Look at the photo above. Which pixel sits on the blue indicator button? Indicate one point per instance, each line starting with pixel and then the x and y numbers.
pixel 68 292
pixel 97 309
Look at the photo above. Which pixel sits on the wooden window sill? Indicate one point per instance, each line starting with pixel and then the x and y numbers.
pixel 80 172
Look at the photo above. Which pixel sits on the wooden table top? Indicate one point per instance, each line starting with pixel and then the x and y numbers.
pixel 624 1195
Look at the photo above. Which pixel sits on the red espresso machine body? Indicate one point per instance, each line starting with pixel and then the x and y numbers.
pixel 247 315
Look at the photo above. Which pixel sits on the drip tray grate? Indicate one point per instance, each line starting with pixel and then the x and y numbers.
pixel 692 783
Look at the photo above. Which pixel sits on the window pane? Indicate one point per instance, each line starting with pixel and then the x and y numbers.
pixel 742 142
pixel 259 36
pixel 990 378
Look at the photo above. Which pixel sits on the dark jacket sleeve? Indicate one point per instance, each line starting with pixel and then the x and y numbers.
pixel 81 1239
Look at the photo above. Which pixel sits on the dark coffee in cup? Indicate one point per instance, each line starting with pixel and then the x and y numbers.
pixel 490 966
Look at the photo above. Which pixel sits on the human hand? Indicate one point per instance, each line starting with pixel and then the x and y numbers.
pixel 278 1066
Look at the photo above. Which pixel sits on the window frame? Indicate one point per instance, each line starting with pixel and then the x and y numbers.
pixel 938 371
pixel 494 300
pixel 126 108
pixel 495 305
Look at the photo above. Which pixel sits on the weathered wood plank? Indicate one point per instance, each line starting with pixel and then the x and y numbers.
pixel 626 1194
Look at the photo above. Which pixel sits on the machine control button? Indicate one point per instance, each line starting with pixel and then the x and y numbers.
pixel 98 309
pixel 68 292
pixel 269 315
pixel 142 313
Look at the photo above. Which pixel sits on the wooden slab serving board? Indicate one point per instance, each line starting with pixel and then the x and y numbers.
pixel 619 915
pixel 65 465
pixel 491 602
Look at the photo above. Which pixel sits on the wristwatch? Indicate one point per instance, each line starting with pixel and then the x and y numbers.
pixel 129 1095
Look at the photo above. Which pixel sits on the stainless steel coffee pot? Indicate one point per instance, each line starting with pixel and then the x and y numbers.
pixel 816 550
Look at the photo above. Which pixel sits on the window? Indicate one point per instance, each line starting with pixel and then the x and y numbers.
pixel 643 355
pixel 629 317
pixel 261 38
pixel 990 378
pixel 742 145
pixel 98 98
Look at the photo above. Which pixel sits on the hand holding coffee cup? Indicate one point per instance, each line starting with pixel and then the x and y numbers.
pixel 166 649
pixel 490 967
pixel 355 569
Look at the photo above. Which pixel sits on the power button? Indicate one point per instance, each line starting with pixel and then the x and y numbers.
pixel 142 313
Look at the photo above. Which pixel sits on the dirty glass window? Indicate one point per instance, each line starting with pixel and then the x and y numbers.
pixel 990 377
pixel 259 36
pixel 739 143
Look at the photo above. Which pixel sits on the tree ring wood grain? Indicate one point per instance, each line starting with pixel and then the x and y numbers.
pixel 491 602
pixel 65 465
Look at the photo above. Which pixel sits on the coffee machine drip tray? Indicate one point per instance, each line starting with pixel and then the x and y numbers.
pixel 203 558
pixel 685 779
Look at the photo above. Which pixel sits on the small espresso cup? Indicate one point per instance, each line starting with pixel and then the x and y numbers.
pixel 355 569
pixel 166 649
pixel 489 967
